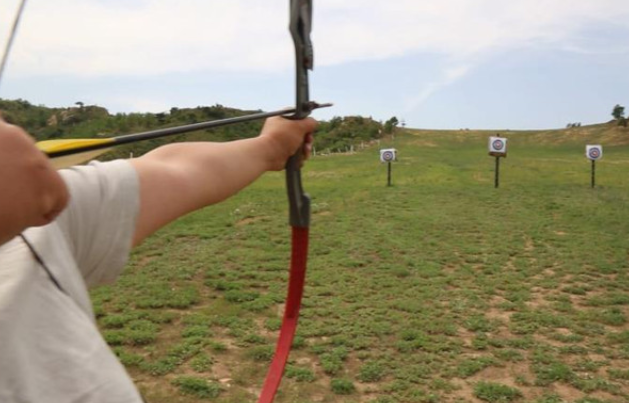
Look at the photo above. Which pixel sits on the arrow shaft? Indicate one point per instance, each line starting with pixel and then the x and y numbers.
pixel 169 131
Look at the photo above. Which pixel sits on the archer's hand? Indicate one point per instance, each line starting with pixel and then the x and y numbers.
pixel 33 193
pixel 286 137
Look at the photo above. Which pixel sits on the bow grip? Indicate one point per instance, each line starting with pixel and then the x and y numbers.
pixel 298 201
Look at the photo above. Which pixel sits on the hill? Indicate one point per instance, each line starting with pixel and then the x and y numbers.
pixel 604 133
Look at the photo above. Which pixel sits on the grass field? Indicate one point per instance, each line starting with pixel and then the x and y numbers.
pixel 437 289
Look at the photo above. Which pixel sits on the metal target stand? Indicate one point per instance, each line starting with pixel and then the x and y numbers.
pixel 593 153
pixel 498 149
pixel 388 155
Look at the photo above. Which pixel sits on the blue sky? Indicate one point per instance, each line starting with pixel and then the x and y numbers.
pixel 491 64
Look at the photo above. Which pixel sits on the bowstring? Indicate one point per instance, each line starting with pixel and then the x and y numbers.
pixel 7 49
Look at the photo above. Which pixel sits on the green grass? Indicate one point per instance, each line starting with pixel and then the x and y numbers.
pixel 439 288
pixel 496 393
pixel 197 387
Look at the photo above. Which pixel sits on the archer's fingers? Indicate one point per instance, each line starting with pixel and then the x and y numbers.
pixel 308 143
pixel 309 125
pixel 306 150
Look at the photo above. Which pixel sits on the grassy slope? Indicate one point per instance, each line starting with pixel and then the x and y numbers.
pixel 438 289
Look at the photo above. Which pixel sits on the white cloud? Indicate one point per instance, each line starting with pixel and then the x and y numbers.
pixel 96 37
pixel 609 49
pixel 464 33
pixel 88 37
pixel 448 77
pixel 458 28
pixel 454 73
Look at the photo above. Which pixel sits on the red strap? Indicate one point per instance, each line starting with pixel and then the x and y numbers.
pixel 299 257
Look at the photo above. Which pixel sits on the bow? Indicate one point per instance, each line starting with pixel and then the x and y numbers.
pixel 299 202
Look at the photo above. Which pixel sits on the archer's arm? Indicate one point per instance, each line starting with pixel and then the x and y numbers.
pixel 179 178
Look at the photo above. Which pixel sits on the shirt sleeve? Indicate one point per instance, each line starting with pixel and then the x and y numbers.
pixel 99 221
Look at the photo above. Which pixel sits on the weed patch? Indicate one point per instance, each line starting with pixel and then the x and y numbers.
pixel 496 393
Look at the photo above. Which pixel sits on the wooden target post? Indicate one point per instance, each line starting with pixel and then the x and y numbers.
pixel 497 148
pixel 388 155
pixel 594 153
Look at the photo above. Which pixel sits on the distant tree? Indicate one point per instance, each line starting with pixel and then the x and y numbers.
pixel 335 122
pixel 161 118
pixel 390 125
pixel 618 112
pixel 24 104
pixel 80 104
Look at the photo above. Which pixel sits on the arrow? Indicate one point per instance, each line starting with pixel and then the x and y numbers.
pixel 68 152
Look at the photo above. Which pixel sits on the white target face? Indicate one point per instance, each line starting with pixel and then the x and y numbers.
pixel 388 155
pixel 594 152
pixel 497 146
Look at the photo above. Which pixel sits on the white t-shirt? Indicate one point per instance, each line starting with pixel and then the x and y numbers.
pixel 50 348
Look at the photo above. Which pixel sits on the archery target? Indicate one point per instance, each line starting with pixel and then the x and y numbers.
pixel 388 154
pixel 594 152
pixel 497 146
